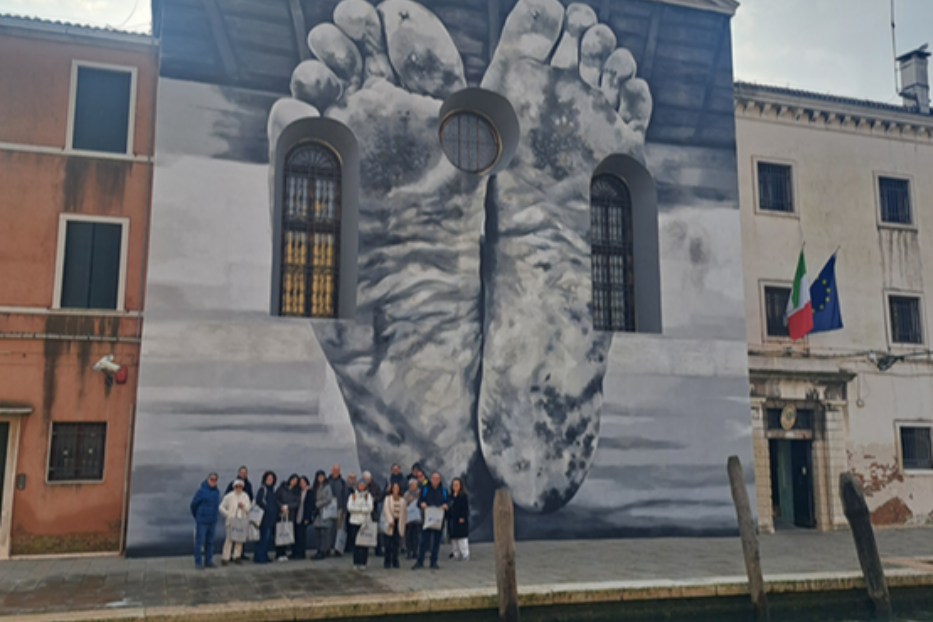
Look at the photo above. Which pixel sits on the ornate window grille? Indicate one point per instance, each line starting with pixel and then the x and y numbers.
pixel 612 254
pixel 310 232
pixel 470 142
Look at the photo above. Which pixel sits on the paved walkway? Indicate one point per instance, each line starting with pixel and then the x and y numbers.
pixel 113 584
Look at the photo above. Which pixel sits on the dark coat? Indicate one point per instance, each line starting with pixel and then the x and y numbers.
pixel 309 510
pixel 459 510
pixel 205 506
pixel 399 479
pixel 433 497
pixel 341 492
pixel 290 498
pixel 247 488
pixel 265 499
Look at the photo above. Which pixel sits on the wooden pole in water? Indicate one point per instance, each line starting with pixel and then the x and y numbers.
pixel 856 511
pixel 743 510
pixel 504 530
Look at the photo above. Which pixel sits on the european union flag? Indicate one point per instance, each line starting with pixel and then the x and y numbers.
pixel 825 301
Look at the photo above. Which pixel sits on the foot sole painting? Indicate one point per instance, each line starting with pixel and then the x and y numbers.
pixel 458 267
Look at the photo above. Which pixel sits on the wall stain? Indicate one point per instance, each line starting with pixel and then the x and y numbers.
pixel 893 512
pixel 879 476
pixel 109 184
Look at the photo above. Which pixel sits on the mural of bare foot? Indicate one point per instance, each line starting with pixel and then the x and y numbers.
pixel 408 365
pixel 543 364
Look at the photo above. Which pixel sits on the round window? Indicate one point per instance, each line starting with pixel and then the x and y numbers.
pixel 470 142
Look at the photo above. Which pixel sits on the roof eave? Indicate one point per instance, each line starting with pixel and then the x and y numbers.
pixel 73 31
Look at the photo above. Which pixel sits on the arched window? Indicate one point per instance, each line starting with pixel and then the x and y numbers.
pixel 612 254
pixel 310 231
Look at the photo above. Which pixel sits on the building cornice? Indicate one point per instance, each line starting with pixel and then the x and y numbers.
pixel 728 7
pixel 831 113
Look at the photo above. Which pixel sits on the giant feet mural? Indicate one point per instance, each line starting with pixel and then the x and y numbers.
pixel 473 348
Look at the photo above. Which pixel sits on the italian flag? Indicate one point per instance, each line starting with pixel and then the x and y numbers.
pixel 799 315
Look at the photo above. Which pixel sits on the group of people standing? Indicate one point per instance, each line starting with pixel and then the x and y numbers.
pixel 407 515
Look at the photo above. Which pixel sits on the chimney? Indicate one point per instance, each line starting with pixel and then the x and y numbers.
pixel 915 80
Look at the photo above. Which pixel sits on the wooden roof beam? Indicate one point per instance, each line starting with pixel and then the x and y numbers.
pixel 221 38
pixel 298 23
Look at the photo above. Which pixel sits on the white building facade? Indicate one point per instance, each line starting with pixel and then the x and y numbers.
pixel 827 173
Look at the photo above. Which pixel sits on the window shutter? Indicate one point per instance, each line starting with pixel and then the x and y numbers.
pixel 76 272
pixel 102 110
pixel 105 266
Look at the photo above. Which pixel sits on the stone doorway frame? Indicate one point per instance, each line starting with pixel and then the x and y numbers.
pixel 12 416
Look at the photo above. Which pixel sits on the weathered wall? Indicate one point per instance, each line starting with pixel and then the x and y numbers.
pixel 834 167
pixel 46 355
pixel 218 373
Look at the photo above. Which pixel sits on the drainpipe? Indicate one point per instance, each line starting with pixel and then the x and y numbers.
pixel 126 475
pixel 150 163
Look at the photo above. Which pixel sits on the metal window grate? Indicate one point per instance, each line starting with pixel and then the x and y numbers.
pixel 77 452
pixel 470 142
pixel 612 254
pixel 895 200
pixel 775 310
pixel 310 232
pixel 905 319
pixel 916 451
pixel 775 190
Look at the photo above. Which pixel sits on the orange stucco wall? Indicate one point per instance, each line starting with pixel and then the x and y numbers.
pixel 46 355
pixel 35 83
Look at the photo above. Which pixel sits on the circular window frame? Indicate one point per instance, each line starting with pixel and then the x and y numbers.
pixel 493 130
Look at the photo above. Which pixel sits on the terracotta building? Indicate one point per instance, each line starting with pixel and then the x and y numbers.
pixel 76 124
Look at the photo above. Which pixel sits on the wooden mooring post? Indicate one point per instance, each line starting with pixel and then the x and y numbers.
pixel 743 510
pixel 504 530
pixel 856 511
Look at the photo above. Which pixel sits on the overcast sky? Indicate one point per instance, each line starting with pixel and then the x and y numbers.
pixel 831 46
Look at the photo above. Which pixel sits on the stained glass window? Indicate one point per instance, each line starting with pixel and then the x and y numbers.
pixel 612 254
pixel 310 232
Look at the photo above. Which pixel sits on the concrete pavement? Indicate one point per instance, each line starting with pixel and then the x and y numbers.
pixel 548 572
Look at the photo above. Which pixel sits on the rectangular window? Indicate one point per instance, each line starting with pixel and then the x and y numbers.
pixel 906 324
pixel 775 190
pixel 894 195
pixel 916 453
pixel 102 109
pixel 77 452
pixel 775 308
pixel 91 266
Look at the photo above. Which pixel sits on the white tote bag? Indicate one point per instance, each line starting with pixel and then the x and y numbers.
pixel 284 532
pixel 384 526
pixel 254 534
pixel 367 535
pixel 330 511
pixel 239 528
pixel 255 515
pixel 340 542
pixel 433 518
pixel 413 514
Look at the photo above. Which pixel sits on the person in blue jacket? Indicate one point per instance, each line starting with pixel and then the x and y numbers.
pixel 265 499
pixel 205 508
pixel 434 495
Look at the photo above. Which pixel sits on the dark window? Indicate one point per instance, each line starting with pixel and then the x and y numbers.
pixel 895 200
pixel 775 190
pixel 905 319
pixel 91 271
pixel 470 142
pixel 915 448
pixel 310 232
pixel 102 110
pixel 612 254
pixel 775 310
pixel 77 452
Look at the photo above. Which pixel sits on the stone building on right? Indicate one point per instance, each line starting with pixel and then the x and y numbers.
pixel 835 175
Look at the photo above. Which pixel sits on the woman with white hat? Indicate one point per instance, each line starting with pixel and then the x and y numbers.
pixel 235 505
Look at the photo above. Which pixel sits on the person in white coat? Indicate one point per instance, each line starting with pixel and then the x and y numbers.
pixel 360 506
pixel 234 505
